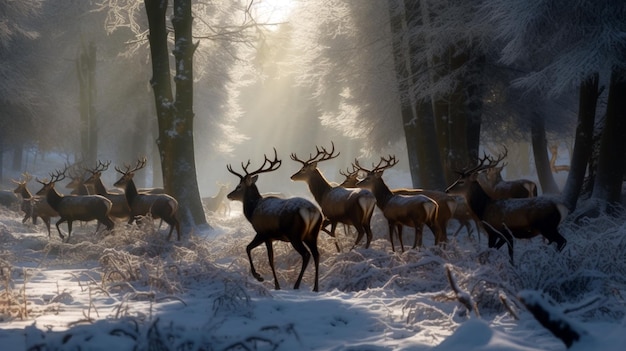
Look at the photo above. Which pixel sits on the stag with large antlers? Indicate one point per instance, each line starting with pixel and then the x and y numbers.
pixel 400 210
pixel 352 206
pixel 497 188
pixel 120 208
pixel 504 219
pixel 75 208
pixel 161 206
pixel 295 220
pixel 33 206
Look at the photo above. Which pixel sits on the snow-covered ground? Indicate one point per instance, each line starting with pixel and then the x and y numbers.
pixel 133 290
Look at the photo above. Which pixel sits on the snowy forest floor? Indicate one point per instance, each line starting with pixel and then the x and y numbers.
pixel 131 288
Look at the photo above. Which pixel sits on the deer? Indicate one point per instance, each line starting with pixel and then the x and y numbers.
pixel 33 206
pixel 216 203
pixel 352 206
pixel 449 206
pixel 141 204
pixel 399 210
pixel 74 208
pixel 497 188
pixel 295 220
pixel 505 219
pixel 120 208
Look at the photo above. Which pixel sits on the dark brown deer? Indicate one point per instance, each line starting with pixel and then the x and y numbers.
pixel 352 206
pixel 521 218
pixel 33 206
pixel 497 188
pixel 157 205
pixel 75 208
pixel 120 208
pixel 411 210
pixel 295 220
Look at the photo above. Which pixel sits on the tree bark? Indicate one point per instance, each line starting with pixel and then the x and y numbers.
pixel 419 128
pixel 175 117
pixel 583 142
pixel 86 71
pixel 610 172
pixel 540 151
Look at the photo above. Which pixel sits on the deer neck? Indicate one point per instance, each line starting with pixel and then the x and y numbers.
pixel 318 185
pixel 130 191
pixel 25 193
pixel 251 200
pixel 99 187
pixel 54 198
pixel 382 193
pixel 478 199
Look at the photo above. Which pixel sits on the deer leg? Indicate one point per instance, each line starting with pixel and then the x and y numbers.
pixel 255 242
pixel 368 233
pixel 312 244
pixel 270 256
pixel 299 246
pixel 47 223
pixel 419 228
pixel 61 220
pixel 399 227
pixel 69 229
pixel 391 225
pixel 360 232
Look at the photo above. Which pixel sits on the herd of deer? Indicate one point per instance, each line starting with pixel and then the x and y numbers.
pixel 503 209
pixel 100 204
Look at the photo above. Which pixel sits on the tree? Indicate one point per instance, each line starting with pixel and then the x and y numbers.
pixel 563 43
pixel 17 91
pixel 175 113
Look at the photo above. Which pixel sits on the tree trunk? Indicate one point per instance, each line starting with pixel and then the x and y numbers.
pixel 583 142
pixel 540 151
pixel 609 176
pixel 86 70
pixel 175 117
pixel 419 128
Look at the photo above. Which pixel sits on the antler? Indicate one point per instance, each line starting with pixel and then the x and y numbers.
pixel 26 177
pixel 141 163
pixel 101 167
pixel 57 176
pixel 388 163
pixel 320 152
pixel 348 172
pixel 494 162
pixel 273 165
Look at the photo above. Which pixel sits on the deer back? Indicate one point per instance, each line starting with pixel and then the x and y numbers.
pixel 279 217
pixel 528 215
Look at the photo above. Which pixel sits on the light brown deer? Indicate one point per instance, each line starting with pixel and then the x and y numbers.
pixel 504 219
pixel 352 206
pixel 157 205
pixel 33 206
pixel 216 203
pixel 75 208
pixel 411 210
pixel 295 220
pixel 120 208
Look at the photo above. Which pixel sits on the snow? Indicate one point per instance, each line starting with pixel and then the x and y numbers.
pixel 134 290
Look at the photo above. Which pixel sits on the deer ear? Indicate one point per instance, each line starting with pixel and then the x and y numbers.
pixel 253 179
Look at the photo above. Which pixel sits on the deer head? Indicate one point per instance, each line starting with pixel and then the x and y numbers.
pixel 310 166
pixel 248 180
pixel 376 173
pixel 128 173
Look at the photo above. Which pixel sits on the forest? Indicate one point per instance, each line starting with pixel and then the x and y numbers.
pixel 189 91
